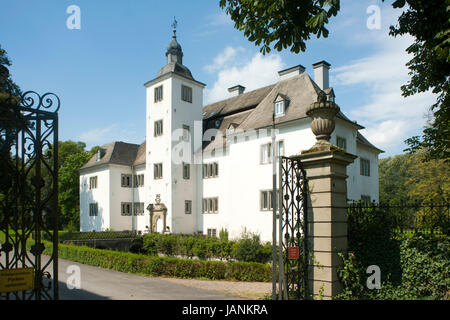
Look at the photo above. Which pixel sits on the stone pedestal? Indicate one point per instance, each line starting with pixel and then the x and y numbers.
pixel 325 166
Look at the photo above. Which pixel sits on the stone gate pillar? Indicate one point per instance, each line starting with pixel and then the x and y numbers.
pixel 325 166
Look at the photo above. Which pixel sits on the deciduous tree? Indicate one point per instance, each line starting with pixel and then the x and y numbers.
pixel 290 23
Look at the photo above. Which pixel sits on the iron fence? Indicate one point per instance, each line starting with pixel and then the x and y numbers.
pixel 406 219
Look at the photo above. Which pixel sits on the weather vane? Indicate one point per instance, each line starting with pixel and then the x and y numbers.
pixel 174 24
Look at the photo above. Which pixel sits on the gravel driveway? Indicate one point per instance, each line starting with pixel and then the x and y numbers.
pixel 247 290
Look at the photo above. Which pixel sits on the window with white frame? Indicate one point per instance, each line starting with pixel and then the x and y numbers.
pixel 158 128
pixel 211 205
pixel 279 108
pixel 212 233
pixel 341 142
pixel 138 208
pixel 138 180
pixel 280 148
pixel 186 93
pixel 126 180
pixel 186 171
pixel 158 93
pixel 93 182
pixel 93 209
pixel 266 151
pixel 266 200
pixel 187 206
pixel 210 170
pixel 364 167
pixel 157 171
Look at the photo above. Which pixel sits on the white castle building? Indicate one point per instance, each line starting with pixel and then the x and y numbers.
pixel 207 168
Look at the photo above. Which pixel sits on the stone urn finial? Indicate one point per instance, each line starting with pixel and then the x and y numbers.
pixel 323 113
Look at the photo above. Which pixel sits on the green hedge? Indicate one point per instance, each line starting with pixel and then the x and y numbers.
pixel 413 267
pixel 164 266
pixel 247 249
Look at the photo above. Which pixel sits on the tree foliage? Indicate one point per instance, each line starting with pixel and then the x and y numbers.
pixel 407 177
pixel 288 23
pixel 393 174
pixel 10 121
pixel 429 23
pixel 72 156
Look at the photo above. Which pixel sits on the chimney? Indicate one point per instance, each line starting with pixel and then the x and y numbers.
pixel 321 74
pixel 291 72
pixel 236 90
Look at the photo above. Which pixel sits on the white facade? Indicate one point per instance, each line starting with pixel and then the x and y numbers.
pixel 235 193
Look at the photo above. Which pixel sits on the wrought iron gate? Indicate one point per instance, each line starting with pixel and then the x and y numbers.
pixel 29 192
pixel 294 229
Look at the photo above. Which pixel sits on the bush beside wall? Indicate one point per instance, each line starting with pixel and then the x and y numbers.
pixel 412 268
pixel 247 249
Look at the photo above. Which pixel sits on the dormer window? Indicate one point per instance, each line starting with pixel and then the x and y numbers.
pixel 279 105
pixel 279 108
pixel 331 98
pixel 330 95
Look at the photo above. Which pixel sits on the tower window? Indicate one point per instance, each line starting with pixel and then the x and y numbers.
pixel 93 209
pixel 187 206
pixel 186 171
pixel 157 171
pixel 186 133
pixel 158 128
pixel 186 94
pixel 158 93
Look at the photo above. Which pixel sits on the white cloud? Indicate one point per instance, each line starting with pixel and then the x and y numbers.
pixel 223 59
pixel 253 73
pixel 389 117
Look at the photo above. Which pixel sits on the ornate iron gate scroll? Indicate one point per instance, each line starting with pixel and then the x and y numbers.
pixel 28 211
pixel 293 206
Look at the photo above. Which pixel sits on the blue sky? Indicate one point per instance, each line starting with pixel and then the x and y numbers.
pixel 99 70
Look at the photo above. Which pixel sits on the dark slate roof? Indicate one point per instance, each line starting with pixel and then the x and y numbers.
pixel 239 103
pixel 176 68
pixel 254 109
pixel 249 110
pixel 115 153
pixel 140 156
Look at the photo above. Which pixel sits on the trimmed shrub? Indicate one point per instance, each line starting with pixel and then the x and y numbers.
pixel 164 266
pixel 248 249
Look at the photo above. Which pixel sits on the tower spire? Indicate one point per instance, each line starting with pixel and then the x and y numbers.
pixel 174 26
pixel 174 52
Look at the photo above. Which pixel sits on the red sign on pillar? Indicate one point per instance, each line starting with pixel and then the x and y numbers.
pixel 293 252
